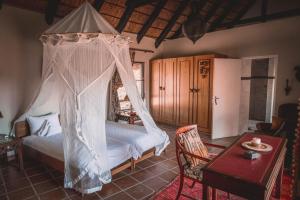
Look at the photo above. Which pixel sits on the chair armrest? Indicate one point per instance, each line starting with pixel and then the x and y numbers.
pixel 196 156
pixel 264 126
pixel 214 145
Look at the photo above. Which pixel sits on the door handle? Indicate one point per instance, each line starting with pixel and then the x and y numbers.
pixel 216 100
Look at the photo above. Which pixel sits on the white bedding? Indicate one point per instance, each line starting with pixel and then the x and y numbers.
pixel 135 135
pixel 118 152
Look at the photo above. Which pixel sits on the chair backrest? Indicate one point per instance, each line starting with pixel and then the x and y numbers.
pixel 179 146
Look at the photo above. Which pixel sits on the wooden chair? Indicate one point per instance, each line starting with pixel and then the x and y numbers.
pixel 193 173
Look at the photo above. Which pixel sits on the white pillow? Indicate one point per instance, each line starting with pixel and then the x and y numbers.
pixel 46 125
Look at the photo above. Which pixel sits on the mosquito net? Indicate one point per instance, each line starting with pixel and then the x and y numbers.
pixel 80 54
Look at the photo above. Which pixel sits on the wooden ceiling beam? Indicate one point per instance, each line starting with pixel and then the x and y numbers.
pixel 51 10
pixel 130 6
pixel 227 9
pixel 264 7
pixel 150 20
pixel 242 12
pixel 98 4
pixel 212 10
pixel 183 4
pixel 270 17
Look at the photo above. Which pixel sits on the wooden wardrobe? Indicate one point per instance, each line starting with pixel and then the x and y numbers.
pixel 180 91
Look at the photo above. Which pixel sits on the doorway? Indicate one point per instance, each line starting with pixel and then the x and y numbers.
pixel 257 91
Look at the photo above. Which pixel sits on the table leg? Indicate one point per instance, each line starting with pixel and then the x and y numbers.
pixel 20 157
pixel 279 182
pixel 205 192
pixel 214 194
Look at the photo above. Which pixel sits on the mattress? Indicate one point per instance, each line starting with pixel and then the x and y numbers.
pixel 118 152
pixel 135 135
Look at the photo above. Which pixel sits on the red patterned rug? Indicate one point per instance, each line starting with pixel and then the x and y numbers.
pixel 170 192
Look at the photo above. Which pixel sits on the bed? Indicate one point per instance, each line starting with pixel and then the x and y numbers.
pixel 118 152
pixel 142 142
pixel 49 150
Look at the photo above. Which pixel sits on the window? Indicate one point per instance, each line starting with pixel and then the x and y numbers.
pixel 138 71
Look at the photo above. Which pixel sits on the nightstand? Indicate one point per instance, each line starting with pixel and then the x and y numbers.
pixel 8 143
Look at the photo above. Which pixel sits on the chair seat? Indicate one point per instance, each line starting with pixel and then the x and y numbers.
pixel 193 172
pixel 196 172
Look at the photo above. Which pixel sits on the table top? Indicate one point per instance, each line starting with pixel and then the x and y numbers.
pixel 6 140
pixel 232 163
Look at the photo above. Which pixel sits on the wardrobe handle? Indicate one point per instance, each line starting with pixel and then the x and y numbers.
pixel 197 90
pixel 192 90
pixel 160 88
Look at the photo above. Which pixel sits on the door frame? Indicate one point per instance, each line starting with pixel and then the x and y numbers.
pixel 273 61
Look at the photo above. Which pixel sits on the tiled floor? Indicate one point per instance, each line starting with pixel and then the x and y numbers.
pixel 41 182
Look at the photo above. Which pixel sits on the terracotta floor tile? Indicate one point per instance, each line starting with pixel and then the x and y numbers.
pixel 156 183
pixel 120 196
pixel 3 197
pixel 168 176
pixel 157 159
pixel 157 169
pixel 139 191
pixel 108 190
pixel 16 184
pixel 85 197
pixel 118 175
pixel 56 174
pixel 142 175
pixel 2 189
pixel 12 173
pixel 54 194
pixel 145 163
pixel 125 182
pixel 169 164
pixel 40 178
pixel 45 186
pixel 35 170
pixel 21 194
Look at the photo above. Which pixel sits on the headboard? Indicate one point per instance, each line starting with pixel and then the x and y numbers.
pixel 22 129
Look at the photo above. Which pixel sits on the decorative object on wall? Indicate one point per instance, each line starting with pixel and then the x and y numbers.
pixel 204 67
pixel 1 116
pixel 287 88
pixel 297 74
pixel 194 27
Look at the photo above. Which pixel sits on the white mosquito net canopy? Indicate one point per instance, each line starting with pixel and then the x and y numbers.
pixel 80 54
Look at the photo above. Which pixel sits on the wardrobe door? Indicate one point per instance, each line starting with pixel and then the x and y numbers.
pixel 155 89
pixel 168 91
pixel 184 96
pixel 202 93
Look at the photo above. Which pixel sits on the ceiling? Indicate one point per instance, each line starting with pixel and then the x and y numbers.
pixel 158 19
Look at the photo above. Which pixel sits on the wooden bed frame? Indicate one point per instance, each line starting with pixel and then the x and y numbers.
pixel 22 130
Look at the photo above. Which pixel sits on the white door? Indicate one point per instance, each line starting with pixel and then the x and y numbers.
pixel 226 97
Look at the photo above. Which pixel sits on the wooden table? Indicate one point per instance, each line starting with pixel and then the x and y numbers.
pixel 251 179
pixel 11 144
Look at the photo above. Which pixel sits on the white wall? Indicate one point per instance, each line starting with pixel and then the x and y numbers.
pixel 272 38
pixel 21 60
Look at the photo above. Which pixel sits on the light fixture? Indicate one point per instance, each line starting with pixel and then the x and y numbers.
pixel 195 26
